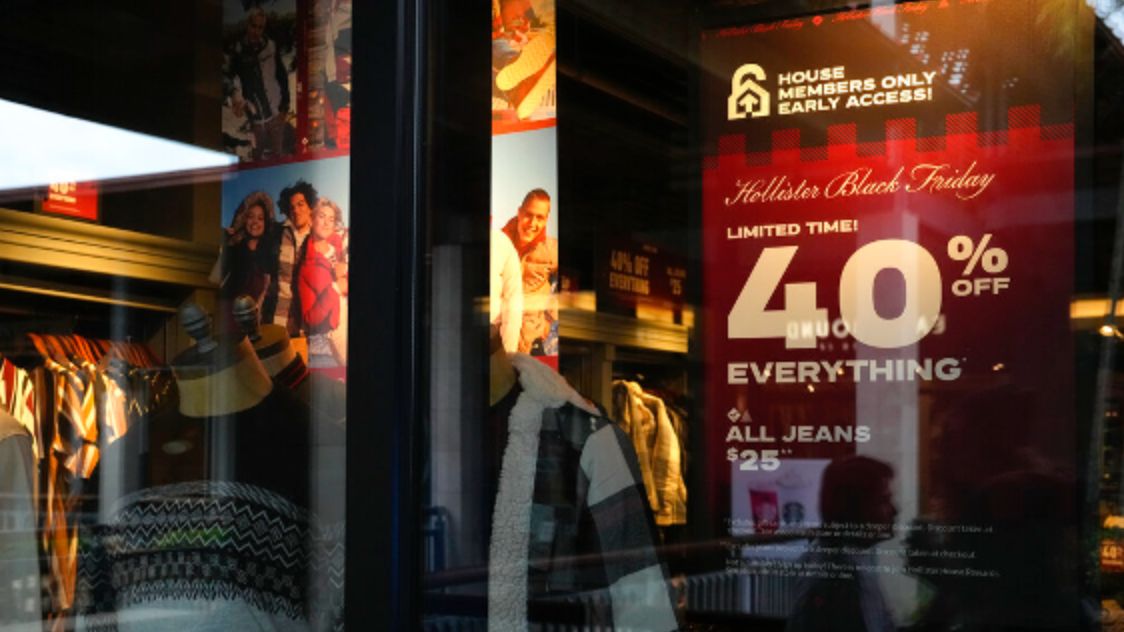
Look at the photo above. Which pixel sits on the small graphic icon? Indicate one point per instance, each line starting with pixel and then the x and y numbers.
pixel 735 415
pixel 747 97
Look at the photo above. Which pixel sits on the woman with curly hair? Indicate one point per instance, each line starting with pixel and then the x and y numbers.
pixel 249 257
pixel 321 273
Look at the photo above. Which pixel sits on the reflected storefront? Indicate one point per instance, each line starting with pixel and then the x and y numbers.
pixel 721 315
pixel 173 407
pixel 841 276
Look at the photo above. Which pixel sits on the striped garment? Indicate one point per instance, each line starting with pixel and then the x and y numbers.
pixel 70 459
pixel 112 403
pixel 571 515
pixel 17 398
pixel 291 240
pixel 81 408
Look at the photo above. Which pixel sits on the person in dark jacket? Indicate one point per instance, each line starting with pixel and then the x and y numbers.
pixel 249 254
pixel 841 591
pixel 258 71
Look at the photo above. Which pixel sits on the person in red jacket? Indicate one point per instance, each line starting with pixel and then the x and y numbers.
pixel 321 273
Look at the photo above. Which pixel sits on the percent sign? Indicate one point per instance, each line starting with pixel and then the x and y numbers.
pixel 962 248
pixel 993 261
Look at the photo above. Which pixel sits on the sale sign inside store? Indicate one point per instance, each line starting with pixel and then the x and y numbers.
pixel 888 200
pixel 72 199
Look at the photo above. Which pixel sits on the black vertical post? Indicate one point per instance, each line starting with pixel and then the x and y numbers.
pixel 386 310
pixel 456 201
pixel 420 168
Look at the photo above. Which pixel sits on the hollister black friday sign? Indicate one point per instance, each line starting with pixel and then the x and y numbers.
pixel 888 201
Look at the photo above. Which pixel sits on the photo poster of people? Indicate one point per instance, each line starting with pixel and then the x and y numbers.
pixel 286 79
pixel 524 219
pixel 524 248
pixel 888 264
pixel 285 245
pixel 524 71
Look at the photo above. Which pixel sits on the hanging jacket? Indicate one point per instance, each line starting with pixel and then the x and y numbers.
pixel 667 473
pixel 19 552
pixel 638 422
pixel 570 492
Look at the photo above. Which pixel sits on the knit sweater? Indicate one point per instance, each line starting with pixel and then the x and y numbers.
pixel 216 550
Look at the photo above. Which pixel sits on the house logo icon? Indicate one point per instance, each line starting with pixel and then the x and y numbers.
pixel 747 96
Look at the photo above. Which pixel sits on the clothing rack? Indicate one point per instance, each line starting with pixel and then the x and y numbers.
pixel 74 395
pixel 654 372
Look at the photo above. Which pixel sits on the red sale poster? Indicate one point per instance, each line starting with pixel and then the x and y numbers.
pixel 888 202
pixel 72 199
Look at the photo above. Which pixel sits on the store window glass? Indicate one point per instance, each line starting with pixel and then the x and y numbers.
pixel 796 316
pixel 174 251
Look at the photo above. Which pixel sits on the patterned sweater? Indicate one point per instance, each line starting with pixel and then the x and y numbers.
pixel 205 555
pixel 238 550
pixel 571 515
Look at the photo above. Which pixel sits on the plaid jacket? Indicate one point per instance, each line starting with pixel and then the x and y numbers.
pixel 589 530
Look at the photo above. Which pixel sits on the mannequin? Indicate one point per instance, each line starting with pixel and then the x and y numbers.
pixel 323 400
pixel 19 552
pixel 214 379
pixel 327 397
pixel 569 487
pixel 271 343
pixel 219 534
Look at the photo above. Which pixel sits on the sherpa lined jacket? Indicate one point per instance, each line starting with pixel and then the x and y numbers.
pixel 571 515
pixel 645 419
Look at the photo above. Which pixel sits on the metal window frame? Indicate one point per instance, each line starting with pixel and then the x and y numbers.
pixel 420 165
pixel 384 311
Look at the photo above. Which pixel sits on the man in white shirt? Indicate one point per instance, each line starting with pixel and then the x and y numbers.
pixel 506 305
